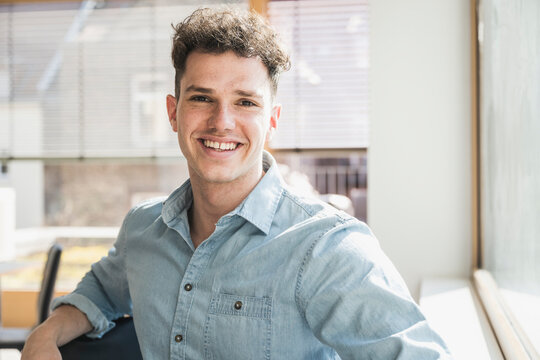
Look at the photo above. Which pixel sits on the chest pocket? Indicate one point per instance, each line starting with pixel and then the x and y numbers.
pixel 238 327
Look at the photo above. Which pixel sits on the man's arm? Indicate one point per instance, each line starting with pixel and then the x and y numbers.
pixel 63 325
pixel 355 301
pixel 101 296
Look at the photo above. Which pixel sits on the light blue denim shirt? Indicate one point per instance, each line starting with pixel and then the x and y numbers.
pixel 281 277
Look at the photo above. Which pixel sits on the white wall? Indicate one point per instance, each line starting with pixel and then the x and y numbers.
pixel 419 167
pixel 7 223
pixel 25 177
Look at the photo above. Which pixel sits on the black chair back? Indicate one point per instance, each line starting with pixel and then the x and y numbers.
pixel 14 338
pixel 47 283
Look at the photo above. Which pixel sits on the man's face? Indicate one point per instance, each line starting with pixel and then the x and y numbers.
pixel 223 116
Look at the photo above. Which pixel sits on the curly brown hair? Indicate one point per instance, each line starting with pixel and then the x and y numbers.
pixel 218 30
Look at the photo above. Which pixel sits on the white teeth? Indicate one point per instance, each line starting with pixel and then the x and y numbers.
pixel 219 146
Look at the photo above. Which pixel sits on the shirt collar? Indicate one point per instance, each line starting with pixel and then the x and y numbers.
pixel 178 202
pixel 257 208
pixel 261 204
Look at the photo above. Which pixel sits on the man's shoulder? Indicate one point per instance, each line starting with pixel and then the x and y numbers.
pixel 316 227
pixel 301 207
pixel 147 210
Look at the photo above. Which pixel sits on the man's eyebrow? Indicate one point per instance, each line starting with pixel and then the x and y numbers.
pixel 195 88
pixel 248 93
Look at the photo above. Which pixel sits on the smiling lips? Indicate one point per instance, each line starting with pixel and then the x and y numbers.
pixel 225 146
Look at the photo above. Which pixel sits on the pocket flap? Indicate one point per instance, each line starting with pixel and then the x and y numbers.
pixel 237 305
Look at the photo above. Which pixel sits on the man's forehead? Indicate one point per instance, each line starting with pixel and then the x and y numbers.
pixel 207 72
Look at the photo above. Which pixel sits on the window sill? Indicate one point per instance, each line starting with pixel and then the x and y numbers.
pixel 454 310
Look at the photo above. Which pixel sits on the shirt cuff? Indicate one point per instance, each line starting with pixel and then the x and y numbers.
pixel 100 323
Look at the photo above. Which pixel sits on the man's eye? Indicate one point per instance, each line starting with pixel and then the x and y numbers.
pixel 247 103
pixel 200 98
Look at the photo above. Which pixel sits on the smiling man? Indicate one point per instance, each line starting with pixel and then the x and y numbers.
pixel 223 114
pixel 233 264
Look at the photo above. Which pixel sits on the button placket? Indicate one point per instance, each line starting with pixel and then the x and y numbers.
pixel 196 265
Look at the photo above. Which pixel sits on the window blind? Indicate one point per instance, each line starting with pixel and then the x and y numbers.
pixel 88 79
pixel 325 94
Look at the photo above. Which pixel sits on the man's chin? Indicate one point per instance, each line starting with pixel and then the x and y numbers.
pixel 226 173
pixel 223 176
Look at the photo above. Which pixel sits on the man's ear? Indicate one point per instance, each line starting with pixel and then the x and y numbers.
pixel 171 110
pixel 274 117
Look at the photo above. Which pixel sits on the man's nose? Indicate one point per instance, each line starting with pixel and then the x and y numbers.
pixel 222 118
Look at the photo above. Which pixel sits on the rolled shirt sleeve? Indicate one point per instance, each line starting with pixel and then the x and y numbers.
pixel 103 293
pixel 355 301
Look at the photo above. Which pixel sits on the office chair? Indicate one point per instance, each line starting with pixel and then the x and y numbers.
pixel 118 344
pixel 14 338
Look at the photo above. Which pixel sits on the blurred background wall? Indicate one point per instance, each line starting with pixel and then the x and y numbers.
pixel 419 168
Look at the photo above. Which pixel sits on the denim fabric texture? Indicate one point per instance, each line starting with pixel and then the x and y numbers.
pixel 281 277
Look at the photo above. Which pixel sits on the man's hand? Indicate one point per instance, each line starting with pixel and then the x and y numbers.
pixel 65 324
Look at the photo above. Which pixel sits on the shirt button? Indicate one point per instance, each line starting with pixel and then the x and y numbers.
pixel 188 287
pixel 238 305
pixel 178 338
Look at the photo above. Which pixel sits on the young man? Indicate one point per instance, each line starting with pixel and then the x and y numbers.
pixel 233 265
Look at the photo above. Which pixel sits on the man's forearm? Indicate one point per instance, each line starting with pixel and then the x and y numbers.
pixel 63 325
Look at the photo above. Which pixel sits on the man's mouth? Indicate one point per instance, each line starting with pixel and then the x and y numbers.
pixel 220 146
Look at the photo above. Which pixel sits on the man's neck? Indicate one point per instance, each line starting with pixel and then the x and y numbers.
pixel 211 201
